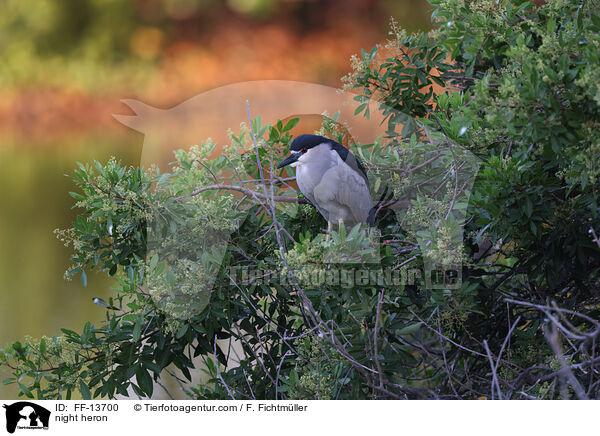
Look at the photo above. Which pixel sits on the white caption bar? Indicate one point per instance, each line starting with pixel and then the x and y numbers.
pixel 296 417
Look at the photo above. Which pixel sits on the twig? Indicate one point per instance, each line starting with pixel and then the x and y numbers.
pixel 248 383
pixel 575 336
pixel 506 339
pixel 256 195
pixel 377 315
pixel 494 376
pixel 258 162
pixel 444 357
pixel 563 370
pixel 209 170
pixel 278 371
pixel 407 170
pixel 595 237
pixel 219 372
pixel 554 342
pixel 477 353
pixel 404 263
pixel 165 389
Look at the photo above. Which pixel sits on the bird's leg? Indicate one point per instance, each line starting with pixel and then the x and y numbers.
pixel 329 229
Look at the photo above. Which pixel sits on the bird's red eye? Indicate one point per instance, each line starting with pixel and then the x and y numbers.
pixel 304 150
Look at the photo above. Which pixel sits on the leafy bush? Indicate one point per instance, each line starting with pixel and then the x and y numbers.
pixel 275 310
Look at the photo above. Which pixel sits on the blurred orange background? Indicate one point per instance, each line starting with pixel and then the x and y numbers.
pixel 81 56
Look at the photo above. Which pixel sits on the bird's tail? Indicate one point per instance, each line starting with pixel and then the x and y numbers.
pixel 371 217
pixel 385 200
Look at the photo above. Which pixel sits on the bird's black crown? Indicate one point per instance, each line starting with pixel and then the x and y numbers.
pixel 307 141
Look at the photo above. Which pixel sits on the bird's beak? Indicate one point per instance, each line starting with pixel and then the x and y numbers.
pixel 288 160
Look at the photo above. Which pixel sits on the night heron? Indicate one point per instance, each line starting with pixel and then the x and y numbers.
pixel 332 179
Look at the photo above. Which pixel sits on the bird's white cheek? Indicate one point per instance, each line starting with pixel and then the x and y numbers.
pixel 295 164
pixel 301 160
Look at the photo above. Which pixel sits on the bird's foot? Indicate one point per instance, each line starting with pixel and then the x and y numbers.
pixel 329 230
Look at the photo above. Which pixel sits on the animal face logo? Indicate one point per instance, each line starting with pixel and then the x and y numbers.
pixel 427 194
pixel 26 415
pixel 212 113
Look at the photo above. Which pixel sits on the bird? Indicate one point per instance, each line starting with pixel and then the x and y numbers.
pixel 332 179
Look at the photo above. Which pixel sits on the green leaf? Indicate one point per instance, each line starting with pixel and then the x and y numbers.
pixel 533 227
pixel 551 25
pixel 25 390
pixel 85 391
pixel 377 184
pixel 360 108
pixel 182 331
pixel 291 124
pixel 528 207
pixel 144 381
pixel 99 302
pixel 77 196
pixel 137 329
pixel 73 271
pixel 83 278
pixel 100 169
pixel 154 261
pixel 410 329
pixel 211 366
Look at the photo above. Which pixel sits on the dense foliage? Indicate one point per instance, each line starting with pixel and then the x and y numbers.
pixel 246 284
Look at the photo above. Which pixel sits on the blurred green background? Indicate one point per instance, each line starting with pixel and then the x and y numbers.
pixel 64 66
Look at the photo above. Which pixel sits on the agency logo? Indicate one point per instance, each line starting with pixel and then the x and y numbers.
pixel 419 177
pixel 26 415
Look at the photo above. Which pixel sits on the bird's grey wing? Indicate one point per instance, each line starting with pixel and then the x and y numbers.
pixel 311 198
pixel 354 193
pixel 345 192
pixel 307 190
